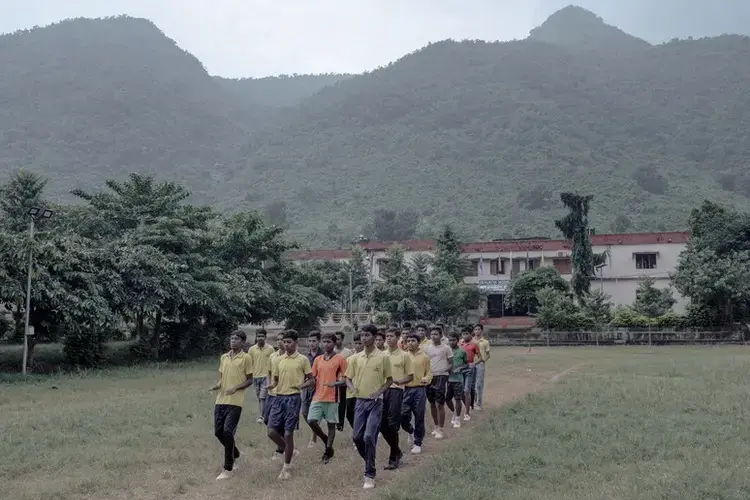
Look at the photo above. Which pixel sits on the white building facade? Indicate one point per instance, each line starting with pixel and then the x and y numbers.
pixel 492 265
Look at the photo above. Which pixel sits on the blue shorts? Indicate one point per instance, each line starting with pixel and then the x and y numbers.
pixel 284 413
pixel 267 407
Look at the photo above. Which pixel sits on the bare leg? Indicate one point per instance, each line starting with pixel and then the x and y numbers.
pixel 277 438
pixel 440 416
pixel 434 413
pixel 315 426
pixel 289 448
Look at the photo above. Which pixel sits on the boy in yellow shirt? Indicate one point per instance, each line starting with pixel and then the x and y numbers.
pixel 291 373
pixel 261 356
pixel 415 394
pixel 368 376
pixel 484 351
pixel 402 373
pixel 236 374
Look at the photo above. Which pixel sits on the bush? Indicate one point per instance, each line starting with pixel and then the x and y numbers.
pixel 381 318
pixel 84 348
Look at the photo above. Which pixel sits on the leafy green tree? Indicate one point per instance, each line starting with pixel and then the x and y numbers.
pixel 359 273
pixel 448 254
pixel 714 270
pixel 559 311
pixel 651 301
pixel 395 293
pixel 598 307
pixel 522 293
pixel 575 227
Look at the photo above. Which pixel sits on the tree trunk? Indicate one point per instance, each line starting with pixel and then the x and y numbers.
pixel 139 330
pixel 156 333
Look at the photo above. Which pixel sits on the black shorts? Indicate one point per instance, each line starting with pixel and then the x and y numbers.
pixel 455 391
pixel 436 390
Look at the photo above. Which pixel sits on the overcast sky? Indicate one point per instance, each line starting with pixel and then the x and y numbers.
pixel 262 37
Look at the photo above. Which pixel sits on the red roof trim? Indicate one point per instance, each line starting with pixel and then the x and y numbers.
pixel 598 240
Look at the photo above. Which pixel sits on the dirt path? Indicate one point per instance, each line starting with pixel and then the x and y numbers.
pixel 342 478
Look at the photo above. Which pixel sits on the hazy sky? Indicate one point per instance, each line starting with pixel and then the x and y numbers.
pixel 261 37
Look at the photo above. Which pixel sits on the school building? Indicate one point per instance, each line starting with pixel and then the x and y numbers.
pixel 491 265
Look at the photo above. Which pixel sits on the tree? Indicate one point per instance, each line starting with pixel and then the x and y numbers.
pixel 23 191
pixel 650 301
pixel 598 307
pixel 714 270
pixel 360 274
pixel 559 311
pixel 395 293
pixel 522 293
pixel 448 254
pixel 575 227
pixel 388 225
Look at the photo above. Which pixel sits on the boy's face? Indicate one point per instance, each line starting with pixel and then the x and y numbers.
pixel 313 342
pixel 391 339
pixel 358 345
pixel 280 342
pixel 467 336
pixel 412 344
pixel 379 341
pixel 435 336
pixel 328 345
pixel 260 339
pixel 290 345
pixel 235 342
pixel 453 342
pixel 339 340
pixel 477 331
pixel 421 332
pixel 367 339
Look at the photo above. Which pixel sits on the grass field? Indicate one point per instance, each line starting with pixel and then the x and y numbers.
pixel 581 423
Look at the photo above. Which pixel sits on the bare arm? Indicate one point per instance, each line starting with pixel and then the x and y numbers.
pixel 244 385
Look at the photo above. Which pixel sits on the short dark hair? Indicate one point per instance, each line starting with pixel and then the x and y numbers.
pixel 421 325
pixel 406 325
pixel 357 337
pixel 291 334
pixel 405 332
pixel 380 333
pixel 436 329
pixel 393 326
pixel 372 329
pixel 414 336
pixel 339 335
pixel 465 329
pixel 480 326
pixel 314 333
pixel 328 336
pixel 261 331
pixel 239 333
pixel 454 335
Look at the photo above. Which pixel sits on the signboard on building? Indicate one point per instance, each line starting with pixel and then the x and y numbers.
pixel 493 286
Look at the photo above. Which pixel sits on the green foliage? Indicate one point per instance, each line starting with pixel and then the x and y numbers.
pixel 523 289
pixel 714 270
pixel 651 301
pixel 575 227
pixel 559 311
pixel 598 307
pixel 388 225
pixel 625 316
pixel 548 112
pixel 448 254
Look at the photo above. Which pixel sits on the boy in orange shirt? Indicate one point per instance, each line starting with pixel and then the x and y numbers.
pixel 328 371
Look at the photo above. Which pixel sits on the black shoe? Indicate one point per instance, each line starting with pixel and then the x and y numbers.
pixel 394 464
pixel 327 456
pixel 340 427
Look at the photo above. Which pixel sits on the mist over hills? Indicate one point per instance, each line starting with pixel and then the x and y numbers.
pixel 482 135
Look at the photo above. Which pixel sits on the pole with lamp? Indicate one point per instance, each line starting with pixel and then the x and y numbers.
pixel 34 213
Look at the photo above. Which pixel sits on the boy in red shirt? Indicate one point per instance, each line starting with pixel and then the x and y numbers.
pixel 328 371
pixel 469 345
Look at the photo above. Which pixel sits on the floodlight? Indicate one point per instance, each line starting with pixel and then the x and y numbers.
pixel 34 211
pixel 47 214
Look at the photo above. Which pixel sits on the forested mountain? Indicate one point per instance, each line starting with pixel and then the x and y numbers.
pixel 482 135
pixel 277 91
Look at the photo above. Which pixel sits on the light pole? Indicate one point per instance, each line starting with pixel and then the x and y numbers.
pixel 34 212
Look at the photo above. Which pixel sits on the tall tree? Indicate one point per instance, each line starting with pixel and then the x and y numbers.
pixel 650 301
pixel 575 227
pixel 448 254
pixel 523 288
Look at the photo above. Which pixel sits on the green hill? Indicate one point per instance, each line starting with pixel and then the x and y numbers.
pixel 482 135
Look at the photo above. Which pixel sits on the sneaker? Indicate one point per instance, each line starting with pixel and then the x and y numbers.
pixel 285 474
pixel 277 456
pixel 311 444
pixel 457 424
pixel 467 418
pixel 477 408
pixel 225 474
pixel 260 420
pixel 369 483
pixel 434 431
pixel 416 450
pixel 439 434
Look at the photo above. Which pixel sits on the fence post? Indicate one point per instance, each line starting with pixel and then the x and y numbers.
pixel 649 335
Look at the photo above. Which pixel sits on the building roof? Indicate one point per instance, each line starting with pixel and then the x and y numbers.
pixel 507 246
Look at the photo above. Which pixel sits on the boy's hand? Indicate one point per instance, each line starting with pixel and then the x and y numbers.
pixel 230 391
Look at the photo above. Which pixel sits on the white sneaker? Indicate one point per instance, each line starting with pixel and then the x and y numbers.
pixel 477 408
pixel 369 483
pixel 416 450
pixel 285 474
pixel 260 420
pixel 225 474
pixel 434 431
pixel 439 434
pixel 311 444
pixel 457 424
pixel 277 456
pixel 467 418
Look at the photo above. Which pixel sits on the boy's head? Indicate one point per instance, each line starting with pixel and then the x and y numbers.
pixel 339 338
pixel 313 340
pixel 466 334
pixel 380 339
pixel 406 325
pixel 478 330
pixel 290 341
pixel 328 342
pixel 358 342
pixel 453 340
pixel 280 341
pixel 237 340
pixel 391 338
pixel 436 334
pixel 368 335
pixel 412 342
pixel 422 330
pixel 260 337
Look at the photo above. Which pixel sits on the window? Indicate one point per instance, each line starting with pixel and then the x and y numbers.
pixel 471 268
pixel 645 261
pixel 497 266
pixel 532 264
